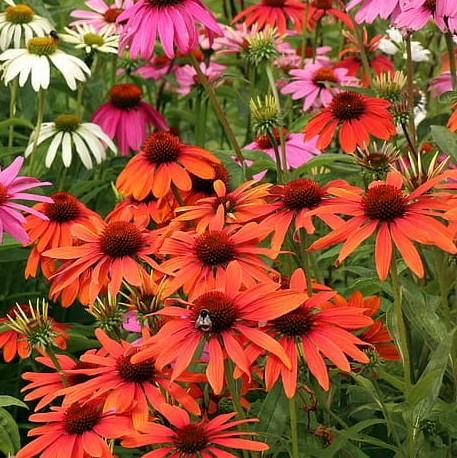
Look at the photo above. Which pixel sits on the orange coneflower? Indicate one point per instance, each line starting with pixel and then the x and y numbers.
pixel 292 203
pixel 127 387
pixel 187 439
pixel 77 431
pixel 320 8
pixel 273 13
pixel 223 317
pixel 245 203
pixel 162 161
pixel 357 116
pixel 63 213
pixel 313 333
pixel 202 187
pixel 395 215
pixel 377 334
pixel 196 258
pixel 112 249
pixel 452 123
pixel 144 211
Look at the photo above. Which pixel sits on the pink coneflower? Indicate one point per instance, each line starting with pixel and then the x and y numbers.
pixel 12 188
pixel 416 13
pixel 298 151
pixel 102 15
pixel 371 9
pixel 126 118
pixel 187 78
pixel 156 68
pixel 234 39
pixel 312 84
pixel 173 21
pixel 441 84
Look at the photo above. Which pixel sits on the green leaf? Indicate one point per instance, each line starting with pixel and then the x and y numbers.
pixel 448 97
pixel 10 441
pixel 6 401
pixel 446 141
pixel 15 122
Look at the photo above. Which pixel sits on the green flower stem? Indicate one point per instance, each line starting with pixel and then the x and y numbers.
pixel 304 35
pixel 52 356
pixel 13 96
pixel 217 109
pixel 274 90
pixel 37 130
pixel 178 197
pixel 363 52
pixel 114 62
pixel 293 426
pixel 303 247
pixel 201 109
pixel 452 65
pixel 274 143
pixel 404 350
pixel 410 90
pixel 317 32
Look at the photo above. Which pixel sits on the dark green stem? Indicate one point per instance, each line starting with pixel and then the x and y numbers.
pixel 452 65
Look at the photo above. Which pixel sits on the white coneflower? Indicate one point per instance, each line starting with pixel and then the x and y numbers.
pixel 86 37
pixel 34 62
pixel 19 23
pixel 68 133
pixel 394 43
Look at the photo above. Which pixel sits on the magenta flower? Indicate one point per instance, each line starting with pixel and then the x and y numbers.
pixel 416 13
pixel 12 188
pixel 298 151
pixel 371 9
pixel 311 84
pixel 126 118
pixel 175 23
pixel 187 78
pixel 102 15
pixel 441 84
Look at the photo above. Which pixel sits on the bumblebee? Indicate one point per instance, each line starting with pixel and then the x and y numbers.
pixel 203 321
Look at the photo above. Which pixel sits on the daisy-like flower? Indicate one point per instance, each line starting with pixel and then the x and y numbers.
pixel 397 217
pixel 102 16
pixel 184 438
pixel 126 118
pixel 312 84
pixel 77 431
pixel 64 211
pixel 357 116
pixel 394 43
pixel 202 187
pixel 164 161
pixel 298 151
pixel 311 333
pixel 234 39
pixel 174 22
pixel 19 23
pixel 69 134
pixel 12 188
pixel 112 249
pixel 187 78
pixel 35 61
pixel 197 258
pixel 86 37
pixel 291 204
pixel 371 9
pixel 124 386
pixel 222 316
pixel 275 14
pixel 244 204
pixel 441 84
pixel 318 9
pixel 156 68
pixel 415 14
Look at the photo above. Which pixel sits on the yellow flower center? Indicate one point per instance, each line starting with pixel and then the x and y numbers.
pixel 42 46
pixel 19 14
pixel 67 123
pixel 93 39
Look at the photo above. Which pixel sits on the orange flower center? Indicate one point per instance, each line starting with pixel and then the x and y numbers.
pixel 264 142
pixel 66 207
pixel 206 186
pixel 302 193
pixel 322 4
pixel 296 323
pixel 214 312
pixel 111 14
pixel 278 3
pixel 135 373
pixel 324 74
pixel 346 106
pixel 162 147
pixel 120 239
pixel 125 96
pixel 3 194
pixel 214 248
pixel 75 379
pixel 384 202
pixel 79 419
pixel 430 5
pixel 191 439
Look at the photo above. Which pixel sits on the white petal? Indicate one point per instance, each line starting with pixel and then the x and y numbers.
pixel 82 151
pixel 25 72
pixel 17 36
pixel 53 147
pixel 96 130
pixel 66 149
